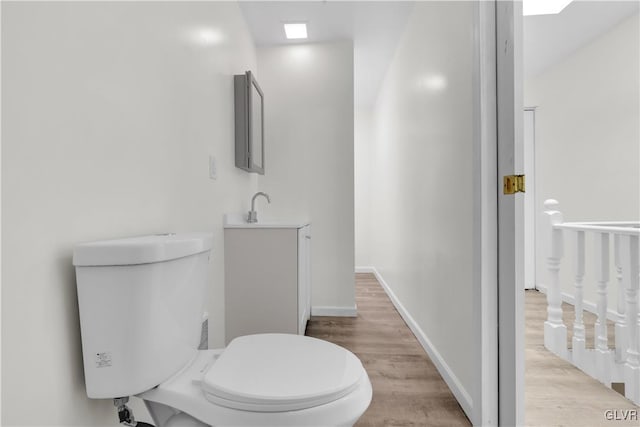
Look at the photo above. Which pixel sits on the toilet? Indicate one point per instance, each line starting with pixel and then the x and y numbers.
pixel 141 302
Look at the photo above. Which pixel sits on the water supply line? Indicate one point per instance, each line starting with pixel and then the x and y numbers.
pixel 125 414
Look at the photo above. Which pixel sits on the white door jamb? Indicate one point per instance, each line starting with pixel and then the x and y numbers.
pixel 510 214
pixel 485 262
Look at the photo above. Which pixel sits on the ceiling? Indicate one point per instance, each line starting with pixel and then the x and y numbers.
pixel 374 26
pixel 548 39
pixel 377 26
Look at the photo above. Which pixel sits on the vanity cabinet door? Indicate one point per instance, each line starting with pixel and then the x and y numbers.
pixel 261 281
pixel 267 280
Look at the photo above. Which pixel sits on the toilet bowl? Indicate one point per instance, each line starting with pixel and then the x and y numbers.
pixel 141 304
pixel 265 380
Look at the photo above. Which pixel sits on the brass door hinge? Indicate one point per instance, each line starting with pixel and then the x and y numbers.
pixel 513 184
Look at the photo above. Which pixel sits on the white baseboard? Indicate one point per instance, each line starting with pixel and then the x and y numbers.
pixel 464 399
pixel 335 311
pixel 589 306
pixel 365 269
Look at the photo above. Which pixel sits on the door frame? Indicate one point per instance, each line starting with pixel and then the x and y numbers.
pixel 485 394
pixel 510 160
pixel 498 396
pixel 498 293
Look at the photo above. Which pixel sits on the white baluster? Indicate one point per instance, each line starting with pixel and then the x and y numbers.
pixel 631 278
pixel 578 353
pixel 603 356
pixel 621 324
pixel 555 332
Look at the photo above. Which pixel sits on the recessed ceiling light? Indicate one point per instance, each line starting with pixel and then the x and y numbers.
pixel 296 31
pixel 543 7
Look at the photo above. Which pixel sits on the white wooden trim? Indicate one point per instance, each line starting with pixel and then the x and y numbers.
pixel 510 213
pixel 364 269
pixel 530 212
pixel 1 258
pixel 460 393
pixel 484 343
pixel 589 306
pixel 334 311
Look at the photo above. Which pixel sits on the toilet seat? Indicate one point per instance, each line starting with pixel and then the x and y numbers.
pixel 281 372
pixel 188 392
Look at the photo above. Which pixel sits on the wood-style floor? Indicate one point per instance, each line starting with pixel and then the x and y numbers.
pixel 407 389
pixel 556 392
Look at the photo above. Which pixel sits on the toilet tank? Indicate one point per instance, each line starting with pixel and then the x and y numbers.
pixel 141 302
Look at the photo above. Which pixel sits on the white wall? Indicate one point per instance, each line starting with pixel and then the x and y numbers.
pixel 309 157
pixel 587 139
pixel 110 111
pixel 422 207
pixel 362 143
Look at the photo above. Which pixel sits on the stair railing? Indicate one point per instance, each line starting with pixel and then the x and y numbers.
pixel 622 364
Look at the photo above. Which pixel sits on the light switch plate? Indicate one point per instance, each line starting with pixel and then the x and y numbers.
pixel 213 168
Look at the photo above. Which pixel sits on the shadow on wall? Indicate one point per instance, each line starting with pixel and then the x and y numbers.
pixel 67 271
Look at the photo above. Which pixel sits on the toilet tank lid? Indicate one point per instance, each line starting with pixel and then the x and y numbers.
pixel 142 249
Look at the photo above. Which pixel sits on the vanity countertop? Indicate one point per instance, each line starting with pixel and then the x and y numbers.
pixel 240 221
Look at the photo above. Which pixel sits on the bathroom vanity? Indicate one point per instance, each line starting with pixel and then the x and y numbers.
pixel 267 277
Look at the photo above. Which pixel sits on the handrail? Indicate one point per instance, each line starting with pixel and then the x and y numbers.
pixel 631 228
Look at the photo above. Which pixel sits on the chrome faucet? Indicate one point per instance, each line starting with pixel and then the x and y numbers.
pixel 253 215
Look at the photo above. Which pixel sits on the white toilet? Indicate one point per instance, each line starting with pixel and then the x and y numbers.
pixel 141 302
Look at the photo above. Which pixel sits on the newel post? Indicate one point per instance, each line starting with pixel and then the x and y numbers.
pixel 555 332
